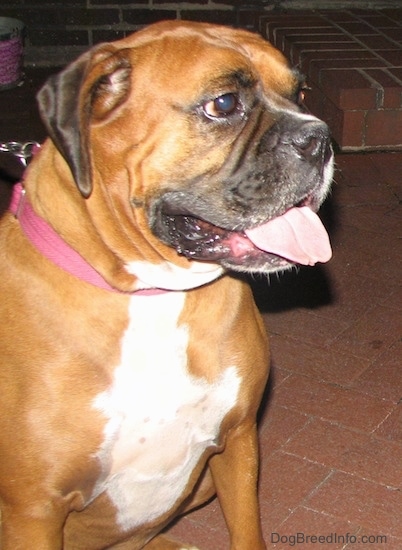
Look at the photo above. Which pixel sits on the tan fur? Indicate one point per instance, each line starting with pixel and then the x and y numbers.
pixel 60 338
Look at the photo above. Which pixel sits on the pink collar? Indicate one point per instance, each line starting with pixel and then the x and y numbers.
pixel 53 247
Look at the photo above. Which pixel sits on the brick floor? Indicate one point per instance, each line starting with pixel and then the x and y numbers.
pixel 353 62
pixel 331 432
pixel 331 424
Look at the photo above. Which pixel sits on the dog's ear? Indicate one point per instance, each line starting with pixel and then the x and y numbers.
pixel 88 89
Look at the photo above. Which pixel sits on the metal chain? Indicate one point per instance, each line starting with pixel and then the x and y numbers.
pixel 24 151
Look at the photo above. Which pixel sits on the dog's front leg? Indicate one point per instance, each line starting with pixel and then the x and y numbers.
pixel 235 475
pixel 30 529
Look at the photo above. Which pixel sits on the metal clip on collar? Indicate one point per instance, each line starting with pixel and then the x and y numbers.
pixel 24 151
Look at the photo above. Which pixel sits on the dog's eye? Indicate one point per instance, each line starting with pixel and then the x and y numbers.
pixel 222 106
pixel 301 94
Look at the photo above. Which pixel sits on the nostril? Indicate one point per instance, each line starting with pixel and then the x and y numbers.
pixel 312 140
pixel 309 147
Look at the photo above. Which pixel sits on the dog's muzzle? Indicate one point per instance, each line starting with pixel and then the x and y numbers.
pixel 262 218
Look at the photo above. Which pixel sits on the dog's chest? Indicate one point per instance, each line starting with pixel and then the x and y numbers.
pixel 160 418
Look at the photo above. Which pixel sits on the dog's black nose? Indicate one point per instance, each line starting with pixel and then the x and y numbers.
pixel 312 141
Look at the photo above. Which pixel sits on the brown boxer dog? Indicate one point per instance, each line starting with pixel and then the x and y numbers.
pixel 132 363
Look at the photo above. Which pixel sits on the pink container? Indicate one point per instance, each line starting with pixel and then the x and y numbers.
pixel 11 50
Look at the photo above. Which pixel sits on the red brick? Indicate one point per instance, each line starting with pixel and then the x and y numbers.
pixel 391 428
pixel 335 446
pixel 336 405
pixel 332 530
pixel 317 66
pixel 59 38
pixel 377 43
pixel 392 56
pixel 248 18
pixel 296 49
pixel 279 425
pixel 381 543
pixel 377 20
pixel 267 33
pixel 222 17
pixel 333 49
pixel 347 127
pixel 357 28
pixel 279 497
pixel 74 17
pixel 294 20
pixel 270 26
pixel 107 36
pixel 371 337
pixel 120 2
pixel 397 72
pixel 349 89
pixel 394 33
pixel 282 34
pixel 333 117
pixel 35 17
pixel 395 15
pixel 377 508
pixel 145 16
pixel 219 3
pixel 392 89
pixel 319 37
pixel 299 52
pixel 175 1
pixel 322 363
pixel 384 128
pixel 353 67
pixel 328 56
pixel 320 333
pixel 339 16
pixel 383 379
pixel 353 129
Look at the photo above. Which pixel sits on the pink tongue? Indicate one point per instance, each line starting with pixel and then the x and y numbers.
pixel 298 235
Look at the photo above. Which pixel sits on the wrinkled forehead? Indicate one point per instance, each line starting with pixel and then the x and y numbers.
pixel 205 62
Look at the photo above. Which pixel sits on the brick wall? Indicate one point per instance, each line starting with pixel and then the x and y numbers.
pixel 59 29
pixel 353 62
pixel 352 58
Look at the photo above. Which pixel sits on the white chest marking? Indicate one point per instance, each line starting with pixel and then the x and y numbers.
pixel 170 276
pixel 160 419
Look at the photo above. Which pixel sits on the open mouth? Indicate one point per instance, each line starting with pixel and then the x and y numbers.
pixel 295 237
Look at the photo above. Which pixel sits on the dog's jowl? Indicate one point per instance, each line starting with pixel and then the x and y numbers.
pixel 132 361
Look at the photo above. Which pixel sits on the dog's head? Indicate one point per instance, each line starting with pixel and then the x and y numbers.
pixel 198 131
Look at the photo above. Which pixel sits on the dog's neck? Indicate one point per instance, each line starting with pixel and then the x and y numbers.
pixel 53 247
